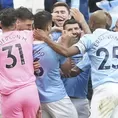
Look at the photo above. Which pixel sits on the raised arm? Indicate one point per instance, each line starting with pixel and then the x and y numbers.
pixel 63 50
pixel 79 17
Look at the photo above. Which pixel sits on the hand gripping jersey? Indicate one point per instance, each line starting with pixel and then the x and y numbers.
pixel 78 86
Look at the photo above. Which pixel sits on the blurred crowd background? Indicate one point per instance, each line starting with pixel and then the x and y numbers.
pixel 85 6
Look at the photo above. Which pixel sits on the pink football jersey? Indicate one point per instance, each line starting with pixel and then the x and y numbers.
pixel 16 61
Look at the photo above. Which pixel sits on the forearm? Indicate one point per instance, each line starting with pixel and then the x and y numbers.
pixel 58 47
pixel 56 29
pixel 63 50
pixel 85 27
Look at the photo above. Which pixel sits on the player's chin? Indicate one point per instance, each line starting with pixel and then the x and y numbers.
pixel 60 23
pixel 75 36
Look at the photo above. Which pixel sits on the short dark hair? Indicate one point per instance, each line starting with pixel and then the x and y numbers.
pixel 61 4
pixel 41 19
pixel 8 17
pixel 23 13
pixel 1 12
pixel 70 21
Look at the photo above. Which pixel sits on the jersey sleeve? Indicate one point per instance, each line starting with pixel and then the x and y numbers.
pixel 62 59
pixel 84 43
pixel 84 64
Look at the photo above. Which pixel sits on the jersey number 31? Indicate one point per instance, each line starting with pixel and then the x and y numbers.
pixel 10 55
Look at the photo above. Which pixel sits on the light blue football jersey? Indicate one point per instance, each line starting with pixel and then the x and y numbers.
pixel 56 35
pixel 84 64
pixel 78 86
pixel 49 83
pixel 102 49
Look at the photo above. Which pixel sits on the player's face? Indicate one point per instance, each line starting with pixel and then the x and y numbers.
pixel 24 24
pixel 116 27
pixel 73 29
pixel 62 14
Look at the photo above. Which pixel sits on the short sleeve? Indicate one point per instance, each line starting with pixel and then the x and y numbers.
pixel 84 64
pixel 84 43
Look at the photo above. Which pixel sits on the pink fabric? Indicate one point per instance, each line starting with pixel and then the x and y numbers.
pixel 16 61
pixel 23 103
pixel 0 104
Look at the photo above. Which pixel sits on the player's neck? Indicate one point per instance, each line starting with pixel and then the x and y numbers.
pixel 4 29
pixel 47 33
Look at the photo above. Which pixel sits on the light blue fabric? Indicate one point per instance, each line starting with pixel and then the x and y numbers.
pixel 84 64
pixel 50 85
pixel 75 4
pixel 78 86
pixel 108 6
pixel 82 5
pixel 61 0
pixel 56 35
pixel 112 8
pixel 102 49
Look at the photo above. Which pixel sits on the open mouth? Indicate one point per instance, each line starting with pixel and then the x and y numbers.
pixel 61 20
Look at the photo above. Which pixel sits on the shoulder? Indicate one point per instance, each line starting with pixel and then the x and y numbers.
pixel 27 32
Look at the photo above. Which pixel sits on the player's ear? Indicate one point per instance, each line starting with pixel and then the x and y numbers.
pixel 49 28
pixel 69 16
pixel 17 23
pixel 15 26
pixel 107 26
pixel 0 25
pixel 46 28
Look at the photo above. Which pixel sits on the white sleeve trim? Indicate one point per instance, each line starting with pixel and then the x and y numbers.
pixel 81 47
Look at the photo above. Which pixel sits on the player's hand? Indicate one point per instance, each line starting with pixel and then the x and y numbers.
pixel 40 35
pixel 68 74
pixel 69 39
pixel 72 64
pixel 39 113
pixel 82 33
pixel 65 76
pixel 36 65
pixel 77 15
pixel 75 71
pixel 58 29
pixel 66 38
pixel 56 16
